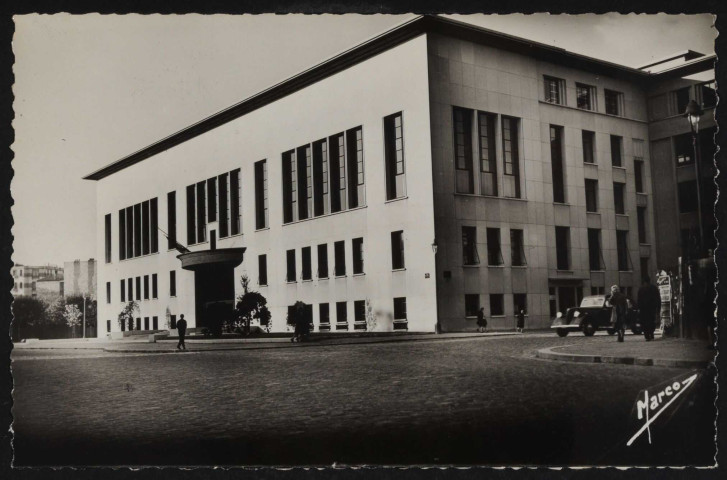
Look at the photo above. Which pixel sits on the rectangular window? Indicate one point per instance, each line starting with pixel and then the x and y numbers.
pixel 223 223
pixel 497 305
pixel 562 247
pixel 494 252
pixel 400 313
pixel 304 170
pixel 154 286
pixel 616 149
pixel 341 316
pixel 212 199
pixel 324 315
pixel 488 158
pixel 201 212
pixel 706 94
pixel 145 228
pixel 191 224
pixel 107 237
pixel 130 285
pixel 512 158
pixel 172 283
pixel 155 323
pixel 394 156
pixel 338 173
pixel 173 322
pixel 122 234
pixel 591 195
pixel 320 178
pixel 146 287
pixel 595 255
pixel 585 96
pixel 641 220
pixel 469 246
pixel 614 102
pixel 234 202
pixel 356 191
pixel 122 290
pixel 463 150
pixel 471 304
pixel 306 263
pixel 108 292
pixel 146 323
pixel 138 288
pixel 397 250
pixel 290 262
pixel 589 143
pixel 108 325
pixel 639 176
pixel 520 302
pixel 137 229
pixel 517 244
pixel 681 99
pixel 290 194
pixel 684 149
pixel 171 220
pixel 554 90
pixel 262 269
pixel 323 261
pixel 261 194
pixel 154 225
pixel 129 232
pixel 357 246
pixel 687 196
pixel 339 249
pixel 622 250
pixel 618 198
pixel 359 314
pixel 556 161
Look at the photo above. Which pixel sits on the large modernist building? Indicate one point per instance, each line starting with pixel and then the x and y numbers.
pixel 430 171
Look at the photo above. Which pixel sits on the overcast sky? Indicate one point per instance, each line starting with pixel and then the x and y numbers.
pixel 90 89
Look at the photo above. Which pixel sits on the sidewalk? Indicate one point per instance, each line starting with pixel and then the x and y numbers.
pixel 663 352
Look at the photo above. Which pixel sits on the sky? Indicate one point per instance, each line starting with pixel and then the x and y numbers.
pixel 91 89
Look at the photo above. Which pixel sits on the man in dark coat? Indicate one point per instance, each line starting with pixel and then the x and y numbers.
pixel 649 301
pixel 481 320
pixel 182 330
pixel 620 307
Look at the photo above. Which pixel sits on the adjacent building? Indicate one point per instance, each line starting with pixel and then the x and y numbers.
pixel 26 278
pixel 402 185
pixel 80 277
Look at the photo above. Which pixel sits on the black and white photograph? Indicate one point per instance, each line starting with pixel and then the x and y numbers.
pixel 334 241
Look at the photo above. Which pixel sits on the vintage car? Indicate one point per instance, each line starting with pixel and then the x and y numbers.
pixel 593 314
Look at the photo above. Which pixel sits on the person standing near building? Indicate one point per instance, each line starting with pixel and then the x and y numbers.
pixel 521 320
pixel 618 312
pixel 182 330
pixel 481 320
pixel 649 301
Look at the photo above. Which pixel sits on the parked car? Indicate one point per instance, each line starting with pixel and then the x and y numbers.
pixel 592 315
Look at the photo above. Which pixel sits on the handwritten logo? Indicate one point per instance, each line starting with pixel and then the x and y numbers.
pixel 649 408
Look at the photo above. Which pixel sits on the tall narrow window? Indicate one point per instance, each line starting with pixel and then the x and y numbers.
pixel 290 263
pixel 641 220
pixel 306 273
pixel 338 173
pixel 554 90
pixel 397 250
pixel 614 102
pixel 556 160
pixel 290 206
pixel 145 228
pixel 510 141
pixel 235 202
pixel 201 213
pixel 520 302
pixel 358 255
pixel 339 250
pixel 463 150
pixel 154 290
pixel 595 256
pixel 471 304
pixel 172 283
pixel 683 149
pixel 154 225
pixel 108 292
pixel 107 237
pixel 212 199
pixel 320 178
pixel 618 198
pixel 469 246
pixel 562 247
pixel 304 183
pixel 488 160
pixel 356 190
pixel 497 304
pixel 585 95
pixel 359 314
pixel 400 313
pixel 155 323
pixel 622 250
pixel 591 195
pixel 122 234
pixel 517 244
pixel 494 251
pixel 137 230
pixel 138 288
pixel 223 223
pixel 191 219
pixel 681 99
pixel 616 149
pixel 122 289
pixel 341 316
pixel 130 232
pixel 261 194
pixel 324 316
pixel 394 156
pixel 262 269
pixel 171 220
pixel 588 140
pixel 323 261
pixel 639 175
pixel 146 287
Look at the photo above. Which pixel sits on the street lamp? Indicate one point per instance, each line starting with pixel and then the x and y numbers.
pixel 84 315
pixel 694 114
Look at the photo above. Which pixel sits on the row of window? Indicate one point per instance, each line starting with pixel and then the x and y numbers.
pixel 675 102
pixel 359 315
pixel 588 140
pixel 497 304
pixel 130 325
pixel 470 255
pixel 555 92
pixel 216 199
pixel 137 231
pixel 126 288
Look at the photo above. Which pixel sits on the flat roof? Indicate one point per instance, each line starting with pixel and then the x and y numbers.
pixel 371 47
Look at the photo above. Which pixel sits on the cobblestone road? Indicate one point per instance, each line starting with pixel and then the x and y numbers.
pixel 469 401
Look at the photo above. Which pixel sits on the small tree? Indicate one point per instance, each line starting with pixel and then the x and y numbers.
pixel 55 311
pixel 126 317
pixel 28 313
pixel 371 320
pixel 72 316
pixel 251 306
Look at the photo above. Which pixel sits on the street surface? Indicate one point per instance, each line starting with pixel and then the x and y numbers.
pixel 485 401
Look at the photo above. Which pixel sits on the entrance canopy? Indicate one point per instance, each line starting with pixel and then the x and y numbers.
pixel 223 257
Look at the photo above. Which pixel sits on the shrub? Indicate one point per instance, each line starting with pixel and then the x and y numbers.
pixel 251 306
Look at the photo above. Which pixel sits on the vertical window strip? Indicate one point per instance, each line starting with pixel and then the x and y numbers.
pixel 235 202
pixel 223 223
pixel 154 225
pixel 145 234
pixel 122 234
pixel 191 217
pixel 171 220
pixel 212 199
pixel 201 212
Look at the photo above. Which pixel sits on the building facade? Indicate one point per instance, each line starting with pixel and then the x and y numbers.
pixel 80 277
pixel 26 277
pixel 480 170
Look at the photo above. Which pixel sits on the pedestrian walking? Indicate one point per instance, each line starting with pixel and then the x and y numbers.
pixel 182 331
pixel 649 302
pixel 481 320
pixel 521 320
pixel 619 308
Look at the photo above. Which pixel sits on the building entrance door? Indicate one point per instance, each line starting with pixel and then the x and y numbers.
pixel 214 291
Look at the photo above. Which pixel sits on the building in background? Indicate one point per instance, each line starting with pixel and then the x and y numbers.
pixel 80 278
pixel 427 172
pixel 50 286
pixel 26 278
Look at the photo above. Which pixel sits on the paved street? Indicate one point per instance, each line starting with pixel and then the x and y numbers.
pixel 458 401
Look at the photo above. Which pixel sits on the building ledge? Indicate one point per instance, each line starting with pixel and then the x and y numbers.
pixel 231 257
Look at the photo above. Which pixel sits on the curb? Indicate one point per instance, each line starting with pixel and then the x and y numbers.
pixel 550 354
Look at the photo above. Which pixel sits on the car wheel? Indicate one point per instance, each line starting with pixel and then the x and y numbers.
pixel 611 331
pixel 589 329
pixel 562 332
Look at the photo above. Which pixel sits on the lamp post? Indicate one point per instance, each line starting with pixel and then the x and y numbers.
pixel 84 315
pixel 693 114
